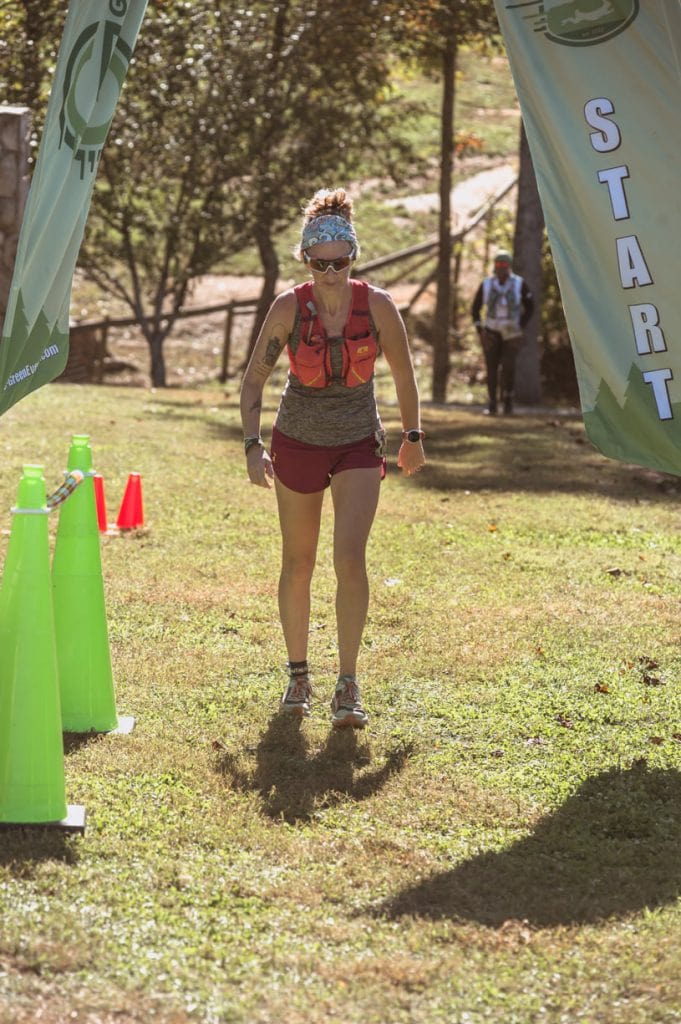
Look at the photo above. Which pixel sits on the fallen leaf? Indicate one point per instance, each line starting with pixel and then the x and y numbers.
pixel 644 662
pixel 218 745
pixel 652 680
pixel 519 931
pixel 615 572
pixel 506 555
pixel 497 753
pixel 657 740
pixel 535 741
pixel 565 721
pixel 676 736
pixel 602 688
pixel 492 527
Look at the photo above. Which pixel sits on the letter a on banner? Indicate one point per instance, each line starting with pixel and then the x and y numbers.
pixel 598 83
pixel 99 37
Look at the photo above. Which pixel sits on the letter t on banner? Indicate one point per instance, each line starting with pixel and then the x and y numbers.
pixel 99 38
pixel 598 83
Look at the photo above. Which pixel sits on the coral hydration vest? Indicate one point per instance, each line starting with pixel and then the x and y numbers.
pixel 311 361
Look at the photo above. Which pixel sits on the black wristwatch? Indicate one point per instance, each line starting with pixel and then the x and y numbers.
pixel 413 435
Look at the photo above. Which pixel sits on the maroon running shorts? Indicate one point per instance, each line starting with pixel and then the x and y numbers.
pixel 307 468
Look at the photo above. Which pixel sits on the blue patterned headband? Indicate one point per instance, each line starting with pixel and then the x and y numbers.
pixel 329 227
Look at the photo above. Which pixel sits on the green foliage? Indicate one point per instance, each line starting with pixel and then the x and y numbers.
pixel 30 31
pixel 486 109
pixel 229 118
pixel 428 26
pixel 165 207
pixel 553 316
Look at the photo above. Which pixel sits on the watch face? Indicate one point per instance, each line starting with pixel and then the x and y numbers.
pixel 413 435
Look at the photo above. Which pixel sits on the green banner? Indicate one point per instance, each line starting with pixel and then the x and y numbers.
pixel 99 37
pixel 599 84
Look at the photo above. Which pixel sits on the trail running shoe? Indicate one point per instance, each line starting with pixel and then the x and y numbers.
pixel 296 698
pixel 346 705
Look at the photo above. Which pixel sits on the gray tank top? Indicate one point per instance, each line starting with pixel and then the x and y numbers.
pixel 327 416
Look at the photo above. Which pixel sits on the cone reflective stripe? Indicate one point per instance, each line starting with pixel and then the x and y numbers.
pixel 32 786
pixel 131 512
pixel 85 676
pixel 100 502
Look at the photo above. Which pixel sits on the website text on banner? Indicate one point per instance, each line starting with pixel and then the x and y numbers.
pixel 598 83
pixel 99 37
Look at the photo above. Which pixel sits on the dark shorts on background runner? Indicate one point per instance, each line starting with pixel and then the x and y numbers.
pixel 307 468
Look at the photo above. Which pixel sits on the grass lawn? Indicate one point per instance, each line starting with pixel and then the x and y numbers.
pixel 502 845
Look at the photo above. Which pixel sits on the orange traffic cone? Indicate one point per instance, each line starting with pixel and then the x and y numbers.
pixel 131 512
pixel 100 501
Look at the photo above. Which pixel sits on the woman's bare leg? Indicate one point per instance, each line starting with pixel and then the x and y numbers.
pixel 355 499
pixel 299 520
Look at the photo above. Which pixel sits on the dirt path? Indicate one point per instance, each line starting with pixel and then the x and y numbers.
pixel 466 197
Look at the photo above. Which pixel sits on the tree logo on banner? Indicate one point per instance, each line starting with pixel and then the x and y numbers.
pixel 95 70
pixel 580 22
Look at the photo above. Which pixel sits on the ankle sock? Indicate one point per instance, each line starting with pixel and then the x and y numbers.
pixel 298 668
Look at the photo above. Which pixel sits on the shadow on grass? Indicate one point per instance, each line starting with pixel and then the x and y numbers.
pixel 531 455
pixel 294 784
pixel 611 850
pixel 76 740
pixel 24 847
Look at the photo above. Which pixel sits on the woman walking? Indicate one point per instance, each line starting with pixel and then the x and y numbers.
pixel 327 433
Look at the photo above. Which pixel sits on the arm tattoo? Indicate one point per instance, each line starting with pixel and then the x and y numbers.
pixel 274 347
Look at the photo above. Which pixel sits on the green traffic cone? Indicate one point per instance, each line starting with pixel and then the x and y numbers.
pixel 85 678
pixel 32 788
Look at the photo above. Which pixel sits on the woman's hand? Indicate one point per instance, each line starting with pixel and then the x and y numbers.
pixel 259 465
pixel 411 457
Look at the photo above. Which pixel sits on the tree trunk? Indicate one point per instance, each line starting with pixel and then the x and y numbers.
pixel 529 237
pixel 443 302
pixel 158 362
pixel 270 265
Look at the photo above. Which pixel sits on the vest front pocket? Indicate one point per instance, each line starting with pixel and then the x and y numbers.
pixel 361 356
pixel 309 363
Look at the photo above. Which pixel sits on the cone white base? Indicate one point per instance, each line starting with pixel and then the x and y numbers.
pixel 73 822
pixel 126 723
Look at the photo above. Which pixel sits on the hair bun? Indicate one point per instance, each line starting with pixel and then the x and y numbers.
pixel 334 201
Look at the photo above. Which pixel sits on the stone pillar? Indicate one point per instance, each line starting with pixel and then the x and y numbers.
pixel 15 128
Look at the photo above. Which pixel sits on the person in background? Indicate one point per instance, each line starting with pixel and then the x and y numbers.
pixel 508 306
pixel 327 434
